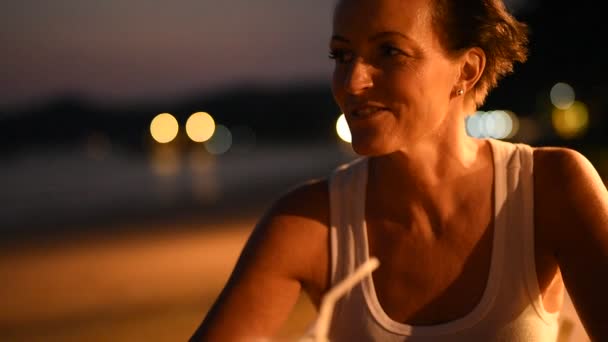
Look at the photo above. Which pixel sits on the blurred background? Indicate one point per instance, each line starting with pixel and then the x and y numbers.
pixel 141 140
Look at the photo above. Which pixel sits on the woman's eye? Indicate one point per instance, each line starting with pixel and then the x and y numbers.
pixel 340 56
pixel 388 50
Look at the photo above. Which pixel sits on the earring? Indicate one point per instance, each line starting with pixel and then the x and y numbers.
pixel 459 92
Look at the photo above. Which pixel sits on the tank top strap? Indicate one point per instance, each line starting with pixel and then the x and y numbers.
pixel 526 181
pixel 347 209
pixel 520 257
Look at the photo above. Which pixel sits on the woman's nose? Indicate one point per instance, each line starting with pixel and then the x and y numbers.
pixel 358 78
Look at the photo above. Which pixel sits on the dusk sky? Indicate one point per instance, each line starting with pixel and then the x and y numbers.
pixel 116 50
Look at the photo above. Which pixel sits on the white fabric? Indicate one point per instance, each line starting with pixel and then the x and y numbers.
pixel 511 307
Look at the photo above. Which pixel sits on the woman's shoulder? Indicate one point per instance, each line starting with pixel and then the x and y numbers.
pixel 568 191
pixel 298 217
pixel 558 155
pixel 565 177
pixel 565 166
pixel 571 218
pixel 296 230
pixel 308 200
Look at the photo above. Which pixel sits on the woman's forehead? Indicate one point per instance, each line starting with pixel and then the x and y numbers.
pixel 391 7
pixel 405 16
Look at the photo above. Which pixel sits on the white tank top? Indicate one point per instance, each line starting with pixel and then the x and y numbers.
pixel 511 307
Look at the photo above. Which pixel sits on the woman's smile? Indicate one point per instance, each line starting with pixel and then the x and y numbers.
pixel 365 112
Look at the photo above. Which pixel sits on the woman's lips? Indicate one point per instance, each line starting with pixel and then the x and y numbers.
pixel 367 112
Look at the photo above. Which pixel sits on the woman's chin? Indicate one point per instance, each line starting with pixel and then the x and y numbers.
pixel 370 148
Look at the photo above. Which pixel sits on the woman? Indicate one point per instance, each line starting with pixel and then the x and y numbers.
pixel 475 237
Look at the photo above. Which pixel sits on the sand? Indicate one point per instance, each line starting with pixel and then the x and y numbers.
pixel 153 284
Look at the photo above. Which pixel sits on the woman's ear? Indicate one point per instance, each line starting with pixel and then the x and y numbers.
pixel 472 64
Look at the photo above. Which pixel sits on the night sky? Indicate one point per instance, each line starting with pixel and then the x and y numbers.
pixel 121 50
pixel 116 50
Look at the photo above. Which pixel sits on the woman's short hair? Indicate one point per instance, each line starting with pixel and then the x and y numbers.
pixel 485 24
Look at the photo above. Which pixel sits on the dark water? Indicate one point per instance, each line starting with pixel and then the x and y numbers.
pixel 45 191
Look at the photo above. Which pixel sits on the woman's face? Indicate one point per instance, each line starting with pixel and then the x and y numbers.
pixel 392 79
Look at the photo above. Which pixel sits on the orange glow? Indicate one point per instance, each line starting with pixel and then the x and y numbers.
pixel 164 128
pixel 200 127
pixel 572 122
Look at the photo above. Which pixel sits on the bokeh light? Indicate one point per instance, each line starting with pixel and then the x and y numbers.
pixel 220 142
pixel 571 122
pixel 562 95
pixel 473 125
pixel 515 124
pixel 164 128
pixel 497 124
pixel 200 127
pixel 342 129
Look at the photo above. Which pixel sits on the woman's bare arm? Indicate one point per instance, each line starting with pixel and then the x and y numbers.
pixel 575 202
pixel 286 251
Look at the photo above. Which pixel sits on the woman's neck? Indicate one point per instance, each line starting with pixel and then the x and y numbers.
pixel 428 165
